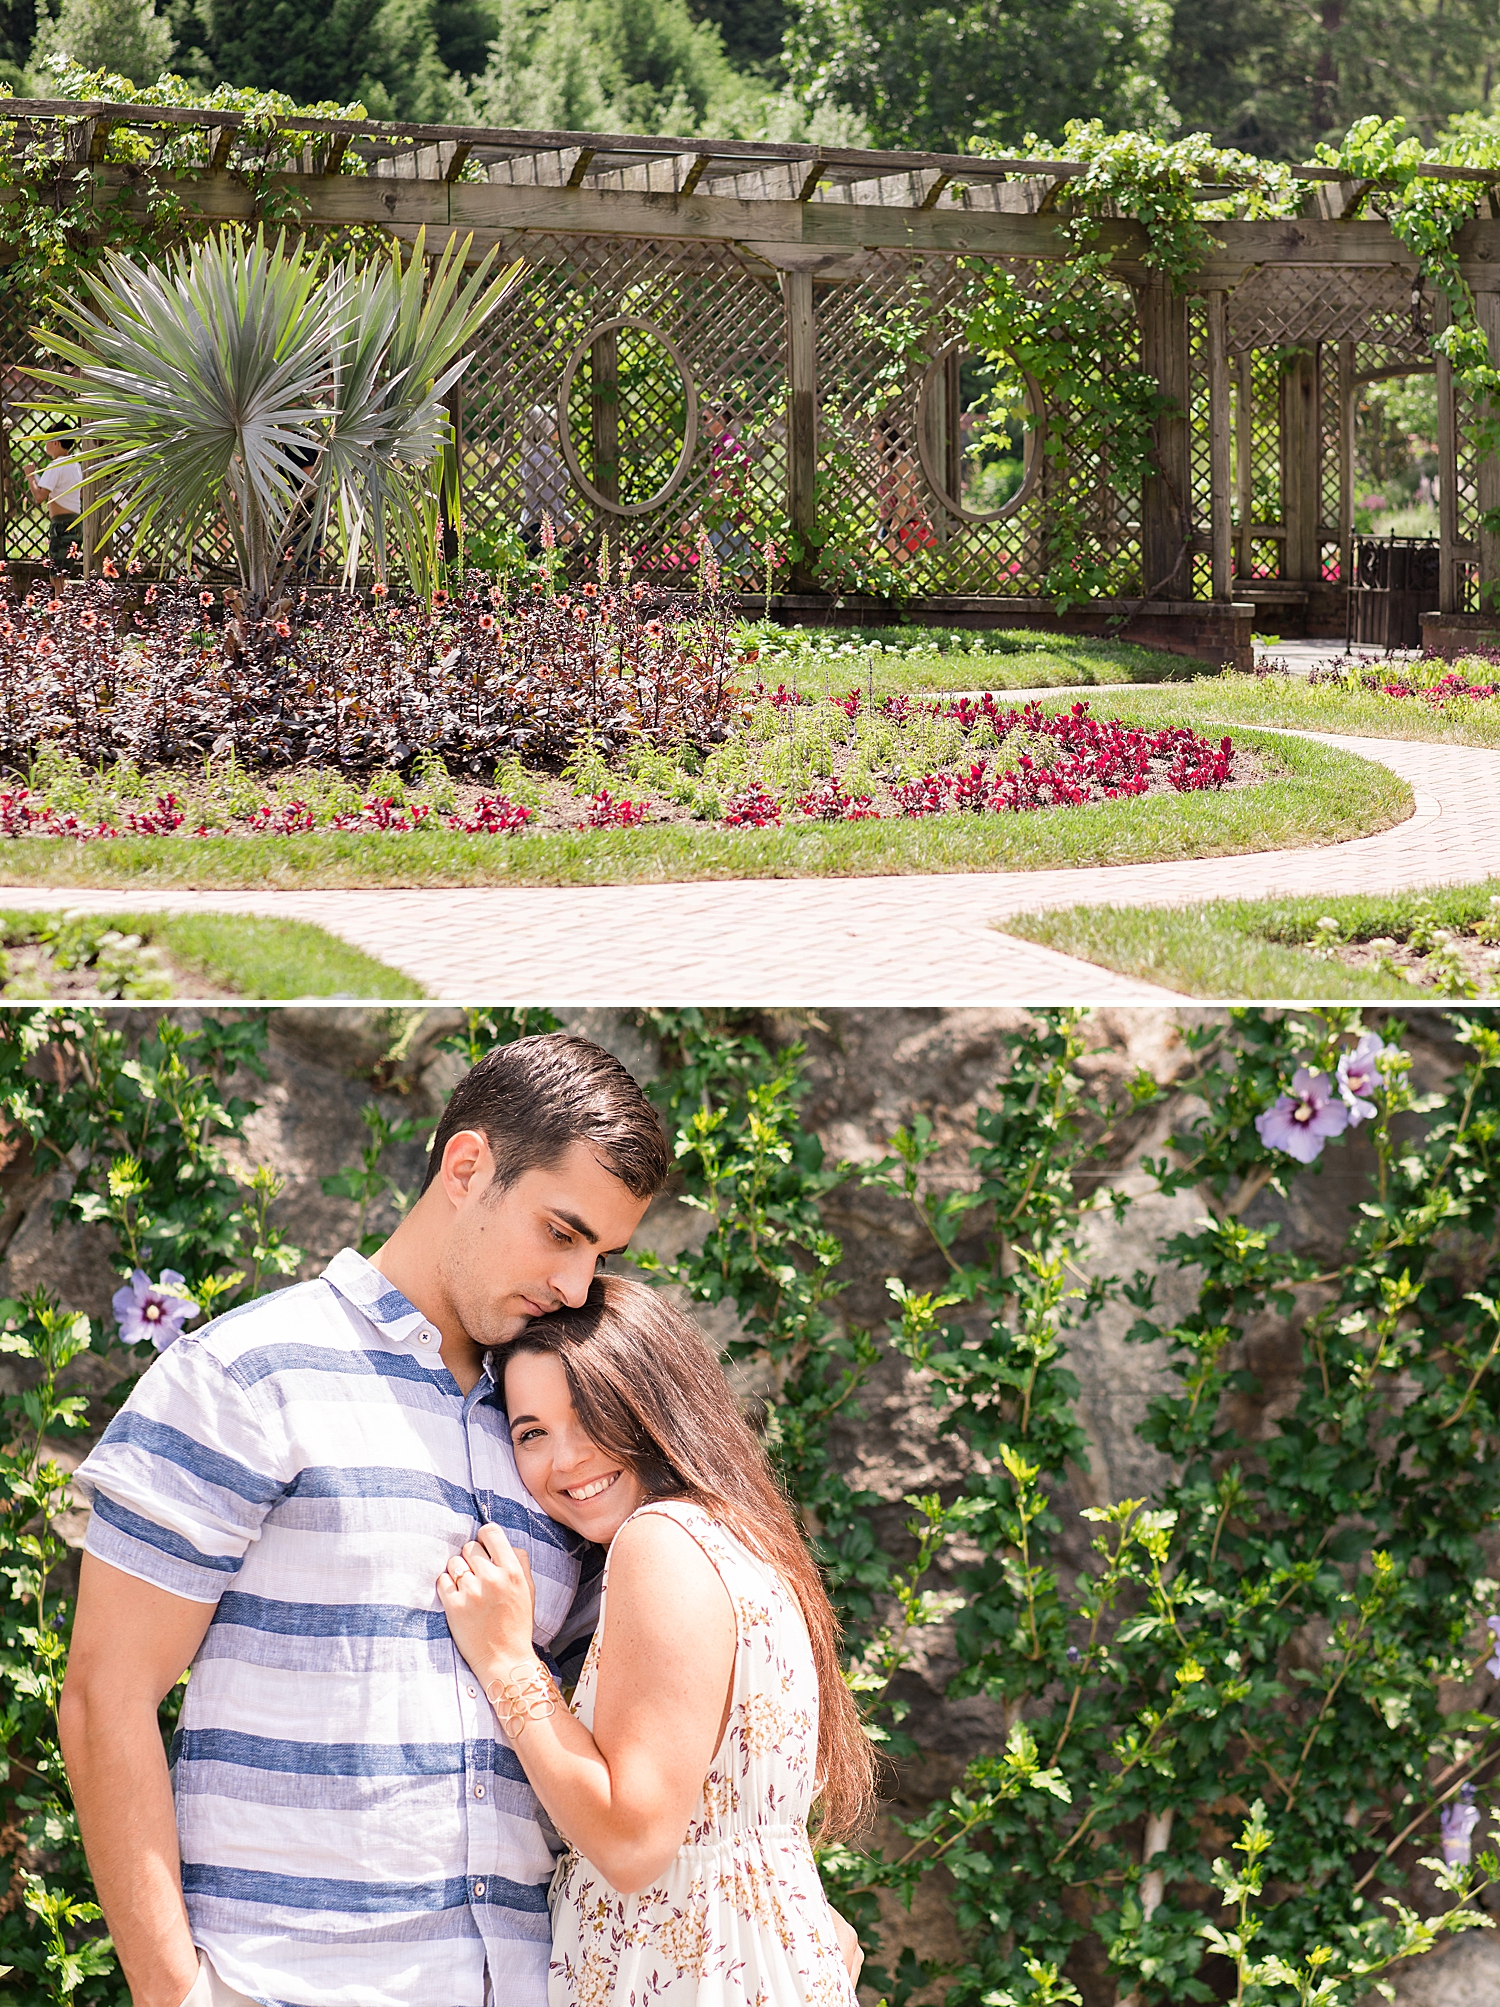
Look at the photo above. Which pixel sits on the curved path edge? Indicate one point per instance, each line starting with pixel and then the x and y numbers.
pixel 844 942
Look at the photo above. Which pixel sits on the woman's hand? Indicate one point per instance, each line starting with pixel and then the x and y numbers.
pixel 490 1603
pixel 849 1946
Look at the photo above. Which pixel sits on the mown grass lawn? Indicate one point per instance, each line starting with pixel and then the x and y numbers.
pixel 1011 659
pixel 1319 796
pixel 1185 690
pixel 241 955
pixel 1252 947
pixel 1238 703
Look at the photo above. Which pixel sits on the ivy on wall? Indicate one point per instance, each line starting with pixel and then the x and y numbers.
pixel 1231 1745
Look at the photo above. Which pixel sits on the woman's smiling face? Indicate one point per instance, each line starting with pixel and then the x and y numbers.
pixel 566 1472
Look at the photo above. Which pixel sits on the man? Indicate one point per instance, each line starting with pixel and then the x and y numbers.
pixel 59 490
pixel 273 1505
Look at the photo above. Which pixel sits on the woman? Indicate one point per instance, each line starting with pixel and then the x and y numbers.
pixel 905 527
pixel 710 1711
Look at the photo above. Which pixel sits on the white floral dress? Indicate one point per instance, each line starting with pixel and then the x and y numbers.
pixel 739 1919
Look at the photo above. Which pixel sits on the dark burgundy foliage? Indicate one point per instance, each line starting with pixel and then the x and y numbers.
pixel 341 685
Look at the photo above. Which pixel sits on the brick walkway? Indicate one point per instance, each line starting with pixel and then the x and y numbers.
pixel 849 941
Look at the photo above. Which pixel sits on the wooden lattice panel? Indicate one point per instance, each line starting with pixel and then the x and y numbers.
pixel 724 318
pixel 1297 306
pixel 870 388
pixel 25 522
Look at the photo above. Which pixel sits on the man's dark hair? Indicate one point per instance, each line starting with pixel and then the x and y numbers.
pixel 533 1099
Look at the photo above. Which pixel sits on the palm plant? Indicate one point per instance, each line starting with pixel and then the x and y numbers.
pixel 267 387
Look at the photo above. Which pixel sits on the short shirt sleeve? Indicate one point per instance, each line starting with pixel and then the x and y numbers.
pixel 183 1477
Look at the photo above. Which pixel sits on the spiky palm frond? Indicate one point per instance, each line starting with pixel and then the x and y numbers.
pixel 260 384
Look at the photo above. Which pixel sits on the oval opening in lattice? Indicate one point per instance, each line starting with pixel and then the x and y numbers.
pixel 980 424
pixel 629 412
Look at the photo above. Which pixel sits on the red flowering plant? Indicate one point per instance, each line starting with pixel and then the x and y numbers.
pixel 605 812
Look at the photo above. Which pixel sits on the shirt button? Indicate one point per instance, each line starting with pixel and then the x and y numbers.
pixel 473 1693
pixel 479 1888
pixel 478 1790
pixel 424 1337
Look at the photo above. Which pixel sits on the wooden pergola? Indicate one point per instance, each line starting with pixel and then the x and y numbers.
pixel 703 345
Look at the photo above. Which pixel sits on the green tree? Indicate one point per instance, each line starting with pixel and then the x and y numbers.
pixel 124 35
pixel 932 75
pixel 752 30
pixel 607 65
pixel 1276 76
pixel 17 32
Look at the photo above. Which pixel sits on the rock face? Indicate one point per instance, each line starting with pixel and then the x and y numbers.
pixel 867 1072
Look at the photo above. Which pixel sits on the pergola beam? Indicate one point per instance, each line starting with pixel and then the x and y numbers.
pixel 501 208
pixel 375 139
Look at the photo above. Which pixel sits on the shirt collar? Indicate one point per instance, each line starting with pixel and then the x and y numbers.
pixel 381 1303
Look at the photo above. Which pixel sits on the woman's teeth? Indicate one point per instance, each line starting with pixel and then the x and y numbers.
pixel 588 1491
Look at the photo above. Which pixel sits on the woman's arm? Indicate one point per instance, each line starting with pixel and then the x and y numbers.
pixel 622 1796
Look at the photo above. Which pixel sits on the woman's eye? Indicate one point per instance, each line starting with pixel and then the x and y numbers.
pixel 528 1436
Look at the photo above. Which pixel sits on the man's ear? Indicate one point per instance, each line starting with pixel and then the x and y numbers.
pixel 468 1166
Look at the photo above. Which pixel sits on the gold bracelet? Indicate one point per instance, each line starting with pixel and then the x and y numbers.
pixel 528 1693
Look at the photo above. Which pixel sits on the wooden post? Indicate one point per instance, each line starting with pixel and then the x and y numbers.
pixel 1166 522
pixel 1244 455
pixel 953 440
pixel 1348 389
pixel 1487 473
pixel 450 493
pixel 1299 468
pixel 802 417
pixel 604 412
pixel 88 529
pixel 1219 467
pixel 1450 592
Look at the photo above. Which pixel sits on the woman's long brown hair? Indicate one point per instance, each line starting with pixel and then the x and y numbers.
pixel 647 1389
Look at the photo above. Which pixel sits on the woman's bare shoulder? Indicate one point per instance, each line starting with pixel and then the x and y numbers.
pixel 656 1552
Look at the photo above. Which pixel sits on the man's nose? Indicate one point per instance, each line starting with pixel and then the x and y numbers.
pixel 571 1279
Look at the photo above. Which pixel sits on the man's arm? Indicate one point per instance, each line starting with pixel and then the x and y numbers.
pixel 131 1644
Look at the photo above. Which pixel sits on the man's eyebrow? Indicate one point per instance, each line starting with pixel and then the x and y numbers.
pixel 578 1225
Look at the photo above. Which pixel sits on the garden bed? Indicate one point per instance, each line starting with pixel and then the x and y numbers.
pixel 1312 794
pixel 595 735
pixel 1440 944
pixel 1335 705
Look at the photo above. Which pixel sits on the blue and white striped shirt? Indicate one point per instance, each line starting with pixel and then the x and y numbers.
pixel 356 1830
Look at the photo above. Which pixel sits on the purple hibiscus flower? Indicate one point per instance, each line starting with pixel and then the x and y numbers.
pixel 1302 1121
pixel 154 1310
pixel 1492 1665
pixel 1457 1823
pixel 1360 1077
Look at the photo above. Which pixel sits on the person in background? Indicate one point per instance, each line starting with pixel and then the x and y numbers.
pixel 726 508
pixel 58 487
pixel 544 481
pixel 905 526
